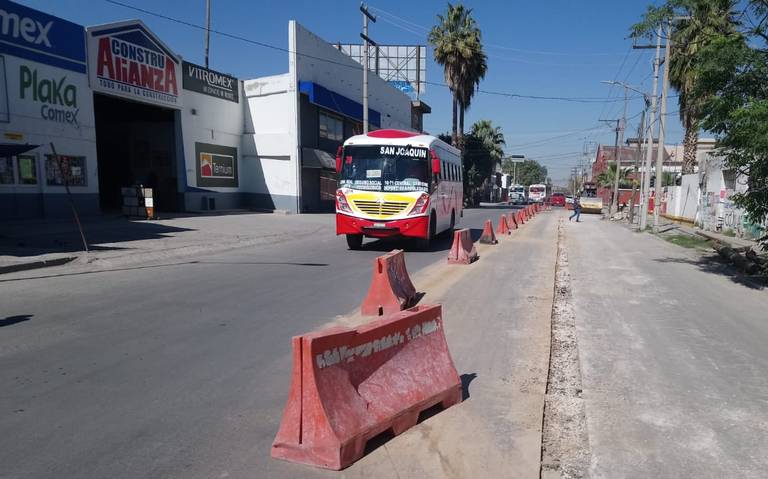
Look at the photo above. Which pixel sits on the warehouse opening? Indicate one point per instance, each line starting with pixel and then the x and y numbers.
pixel 135 145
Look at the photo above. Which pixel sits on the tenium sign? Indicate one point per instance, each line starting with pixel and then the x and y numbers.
pixel 209 82
pixel 216 165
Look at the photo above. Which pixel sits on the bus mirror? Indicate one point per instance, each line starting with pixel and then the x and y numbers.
pixel 338 159
pixel 435 162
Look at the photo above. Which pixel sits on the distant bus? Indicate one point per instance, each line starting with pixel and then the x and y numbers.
pixel 537 193
pixel 395 183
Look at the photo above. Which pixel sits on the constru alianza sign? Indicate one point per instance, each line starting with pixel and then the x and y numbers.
pixel 127 60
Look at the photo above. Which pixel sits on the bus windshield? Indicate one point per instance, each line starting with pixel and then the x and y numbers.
pixel 537 189
pixel 385 168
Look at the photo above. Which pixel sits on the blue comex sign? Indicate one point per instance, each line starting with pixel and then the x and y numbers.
pixel 40 37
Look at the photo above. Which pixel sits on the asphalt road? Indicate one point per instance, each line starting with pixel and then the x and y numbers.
pixel 674 354
pixel 152 371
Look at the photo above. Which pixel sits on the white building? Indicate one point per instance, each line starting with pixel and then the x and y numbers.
pixel 296 121
pixel 121 108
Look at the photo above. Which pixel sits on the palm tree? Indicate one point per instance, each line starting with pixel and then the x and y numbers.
pixel 702 21
pixel 456 42
pixel 491 137
pixel 607 178
pixel 695 24
pixel 473 72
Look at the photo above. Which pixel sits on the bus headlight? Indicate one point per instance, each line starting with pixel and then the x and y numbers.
pixel 341 202
pixel 421 205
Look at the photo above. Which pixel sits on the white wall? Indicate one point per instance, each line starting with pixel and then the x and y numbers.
pixel 682 201
pixel 345 77
pixel 218 122
pixel 69 139
pixel 270 142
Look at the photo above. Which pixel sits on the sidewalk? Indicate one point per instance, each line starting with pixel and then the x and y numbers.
pixel 732 241
pixel 115 241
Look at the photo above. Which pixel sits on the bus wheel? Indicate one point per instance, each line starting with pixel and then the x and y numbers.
pixel 355 242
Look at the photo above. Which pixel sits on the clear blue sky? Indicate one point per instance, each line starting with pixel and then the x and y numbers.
pixel 559 48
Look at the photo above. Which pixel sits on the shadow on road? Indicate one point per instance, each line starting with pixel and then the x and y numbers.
pixel 11 320
pixel 713 264
pixel 32 239
pixel 466 379
pixel 166 265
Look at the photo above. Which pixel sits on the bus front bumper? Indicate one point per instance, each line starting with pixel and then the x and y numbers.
pixel 415 227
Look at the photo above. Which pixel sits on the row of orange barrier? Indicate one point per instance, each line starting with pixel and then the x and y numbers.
pixel 349 385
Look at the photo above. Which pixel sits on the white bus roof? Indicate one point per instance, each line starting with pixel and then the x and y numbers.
pixel 399 137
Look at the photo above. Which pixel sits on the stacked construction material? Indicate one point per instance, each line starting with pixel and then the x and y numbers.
pixel 138 202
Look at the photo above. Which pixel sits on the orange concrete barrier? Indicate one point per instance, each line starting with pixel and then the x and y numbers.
pixel 520 217
pixel 488 236
pixel 503 226
pixel 512 221
pixel 391 288
pixel 349 385
pixel 463 250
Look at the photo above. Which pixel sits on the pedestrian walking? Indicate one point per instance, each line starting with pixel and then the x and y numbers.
pixel 576 209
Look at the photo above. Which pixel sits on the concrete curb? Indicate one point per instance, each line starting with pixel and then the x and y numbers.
pixel 13 268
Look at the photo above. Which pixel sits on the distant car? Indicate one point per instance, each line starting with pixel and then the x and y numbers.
pixel 557 199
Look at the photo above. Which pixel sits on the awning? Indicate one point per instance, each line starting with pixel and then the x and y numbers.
pixel 321 96
pixel 313 158
pixel 13 149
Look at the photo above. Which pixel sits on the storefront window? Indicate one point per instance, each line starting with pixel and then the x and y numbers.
pixel 6 170
pixel 5 115
pixel 72 168
pixel 331 127
pixel 27 169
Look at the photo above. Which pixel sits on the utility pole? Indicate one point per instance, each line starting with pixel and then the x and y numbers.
pixel 207 29
pixel 366 16
pixel 619 141
pixel 645 191
pixel 640 129
pixel 662 121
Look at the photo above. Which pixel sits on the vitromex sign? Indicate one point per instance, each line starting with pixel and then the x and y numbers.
pixel 127 60
pixel 209 82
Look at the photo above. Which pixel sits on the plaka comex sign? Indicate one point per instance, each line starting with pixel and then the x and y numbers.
pixel 126 59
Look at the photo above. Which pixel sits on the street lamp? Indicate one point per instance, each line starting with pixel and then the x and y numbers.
pixel 620 140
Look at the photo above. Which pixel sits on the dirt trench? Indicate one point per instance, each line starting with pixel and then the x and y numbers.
pixel 565 449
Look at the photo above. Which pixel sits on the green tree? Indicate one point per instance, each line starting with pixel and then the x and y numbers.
pixel 531 172
pixel 491 137
pixel 607 178
pixel 472 73
pixel 482 152
pixel 695 23
pixel 735 68
pixel 458 49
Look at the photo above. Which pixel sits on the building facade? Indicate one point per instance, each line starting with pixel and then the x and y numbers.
pixel 121 108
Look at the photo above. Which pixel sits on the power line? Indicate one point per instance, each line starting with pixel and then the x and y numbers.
pixel 547 140
pixel 354 67
pixel 491 45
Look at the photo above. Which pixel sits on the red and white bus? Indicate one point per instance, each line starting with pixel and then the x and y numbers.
pixel 537 193
pixel 397 183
